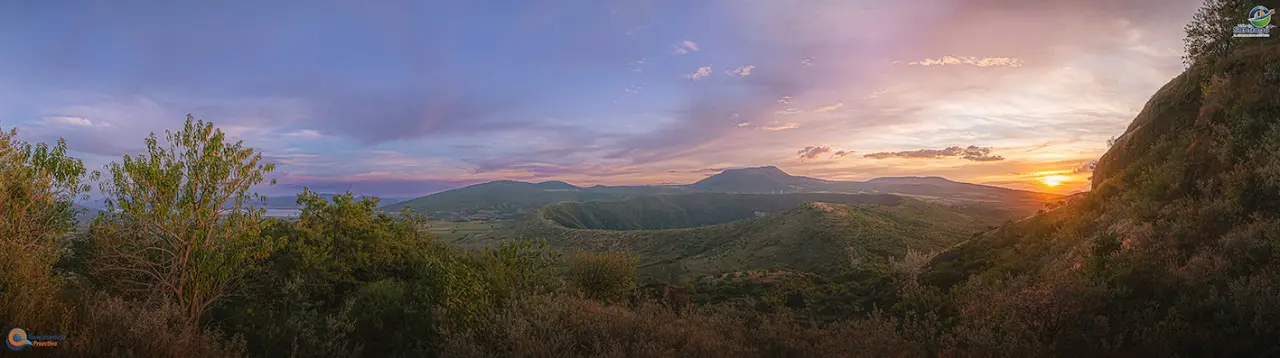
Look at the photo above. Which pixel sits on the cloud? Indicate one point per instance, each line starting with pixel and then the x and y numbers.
pixel 743 71
pixel 975 61
pixel 812 152
pixel 744 124
pixel 305 133
pixel 685 47
pixel 807 61
pixel 794 111
pixel 378 116
pixel 638 66
pixel 1086 168
pixel 785 100
pixel 829 108
pixel 634 89
pixel 67 121
pixel 780 127
pixel 701 73
pixel 974 153
pixel 842 154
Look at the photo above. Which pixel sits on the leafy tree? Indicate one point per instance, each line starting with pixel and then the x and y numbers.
pixel 38 186
pixel 178 224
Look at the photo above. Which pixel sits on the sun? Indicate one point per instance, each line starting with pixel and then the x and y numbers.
pixel 1054 180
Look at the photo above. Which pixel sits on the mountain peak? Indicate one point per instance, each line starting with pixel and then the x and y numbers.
pixel 767 179
pixel 766 170
pixel 555 184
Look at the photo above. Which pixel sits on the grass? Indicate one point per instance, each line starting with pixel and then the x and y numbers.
pixel 452 231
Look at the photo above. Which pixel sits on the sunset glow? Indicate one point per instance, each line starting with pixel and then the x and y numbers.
pixel 1054 180
pixel 614 93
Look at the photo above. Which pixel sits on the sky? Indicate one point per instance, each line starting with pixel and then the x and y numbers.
pixel 404 98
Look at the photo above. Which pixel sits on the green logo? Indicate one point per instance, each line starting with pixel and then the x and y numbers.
pixel 1260 16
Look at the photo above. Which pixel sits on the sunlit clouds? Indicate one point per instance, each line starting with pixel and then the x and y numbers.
pixel 780 127
pixel 1017 94
pixel 974 61
pixel 811 152
pixel 685 47
pixel 701 73
pixel 743 71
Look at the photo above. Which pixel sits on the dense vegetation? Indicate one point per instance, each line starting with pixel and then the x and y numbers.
pixel 1173 253
pixel 818 237
pixel 656 212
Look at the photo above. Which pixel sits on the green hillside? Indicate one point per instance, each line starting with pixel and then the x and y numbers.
pixel 655 212
pixel 1175 250
pixel 814 237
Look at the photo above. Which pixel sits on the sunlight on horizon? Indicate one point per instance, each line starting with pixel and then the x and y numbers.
pixel 1054 181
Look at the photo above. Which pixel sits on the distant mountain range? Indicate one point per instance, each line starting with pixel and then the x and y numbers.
pixel 508 199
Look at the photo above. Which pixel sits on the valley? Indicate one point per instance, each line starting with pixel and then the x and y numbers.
pixel 823 233
pixel 739 220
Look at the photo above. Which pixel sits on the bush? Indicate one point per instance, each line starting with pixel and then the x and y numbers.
pixel 606 276
pixel 113 327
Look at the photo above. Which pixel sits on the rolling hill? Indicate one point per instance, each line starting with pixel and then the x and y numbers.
pixel 512 199
pixel 811 232
pixel 657 212
pixel 507 199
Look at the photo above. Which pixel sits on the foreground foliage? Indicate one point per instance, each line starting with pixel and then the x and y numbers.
pixel 1172 254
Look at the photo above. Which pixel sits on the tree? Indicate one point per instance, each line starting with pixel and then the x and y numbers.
pixel 1209 32
pixel 179 224
pixel 38 186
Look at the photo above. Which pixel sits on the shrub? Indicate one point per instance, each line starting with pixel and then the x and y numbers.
pixel 113 327
pixel 606 276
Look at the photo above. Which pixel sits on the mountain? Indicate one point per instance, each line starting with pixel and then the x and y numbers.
pixel 768 179
pixel 508 199
pixel 808 232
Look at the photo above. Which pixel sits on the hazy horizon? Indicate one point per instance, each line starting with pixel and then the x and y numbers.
pixel 403 99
